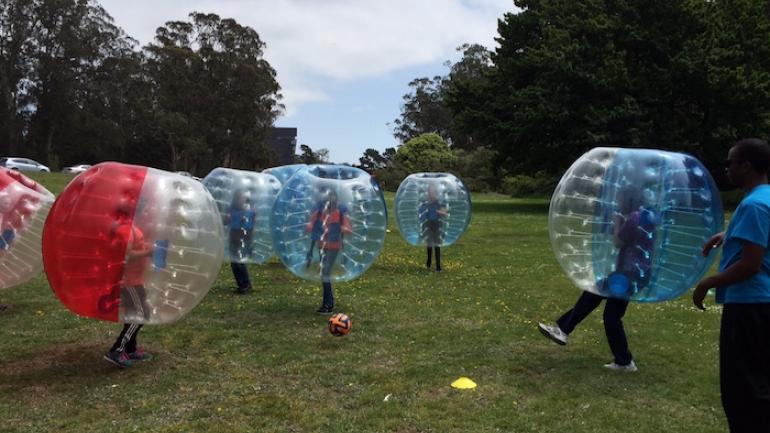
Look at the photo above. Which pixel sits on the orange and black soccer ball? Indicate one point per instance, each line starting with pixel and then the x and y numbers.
pixel 339 325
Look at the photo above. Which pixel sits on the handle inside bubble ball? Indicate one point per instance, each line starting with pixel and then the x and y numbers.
pixel 159 254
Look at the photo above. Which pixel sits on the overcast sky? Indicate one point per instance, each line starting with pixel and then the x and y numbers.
pixel 343 65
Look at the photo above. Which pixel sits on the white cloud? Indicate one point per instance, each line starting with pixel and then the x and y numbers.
pixel 310 42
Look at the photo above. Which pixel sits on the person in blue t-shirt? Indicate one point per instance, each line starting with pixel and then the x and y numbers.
pixel 743 286
pixel 241 228
pixel 430 213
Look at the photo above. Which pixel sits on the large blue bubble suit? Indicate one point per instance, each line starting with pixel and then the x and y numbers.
pixel 304 218
pixel 423 199
pixel 631 223
pixel 245 201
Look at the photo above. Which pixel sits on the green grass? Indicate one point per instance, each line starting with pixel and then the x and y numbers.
pixel 265 362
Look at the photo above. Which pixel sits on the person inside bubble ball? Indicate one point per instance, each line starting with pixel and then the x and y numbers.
pixel 743 287
pixel 334 225
pixel 430 214
pixel 241 224
pixel 634 235
pixel 133 296
pixel 316 231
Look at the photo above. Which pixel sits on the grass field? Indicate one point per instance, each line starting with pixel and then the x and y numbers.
pixel 265 362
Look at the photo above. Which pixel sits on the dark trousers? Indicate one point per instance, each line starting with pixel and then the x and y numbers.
pixel 327 263
pixel 744 367
pixel 126 341
pixel 241 274
pixel 438 257
pixel 614 310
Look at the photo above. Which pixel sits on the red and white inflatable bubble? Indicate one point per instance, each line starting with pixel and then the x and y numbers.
pixel 24 205
pixel 132 244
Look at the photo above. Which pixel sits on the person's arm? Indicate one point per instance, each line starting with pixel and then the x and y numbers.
pixel 441 210
pixel 747 266
pixel 345 226
pixel 135 251
pixel 713 242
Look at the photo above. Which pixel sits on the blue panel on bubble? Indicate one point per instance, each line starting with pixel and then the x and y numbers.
pixel 284 172
pixel 328 222
pixel 432 209
pixel 631 223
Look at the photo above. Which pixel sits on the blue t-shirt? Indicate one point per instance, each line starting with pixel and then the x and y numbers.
pixel 429 210
pixel 750 223
pixel 242 219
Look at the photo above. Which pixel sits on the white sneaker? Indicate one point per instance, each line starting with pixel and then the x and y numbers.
pixel 554 333
pixel 631 367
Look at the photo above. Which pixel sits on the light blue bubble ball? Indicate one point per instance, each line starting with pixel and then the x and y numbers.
pixel 432 209
pixel 245 200
pixel 284 172
pixel 328 223
pixel 631 223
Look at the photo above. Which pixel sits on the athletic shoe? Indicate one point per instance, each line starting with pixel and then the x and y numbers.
pixel 242 290
pixel 630 367
pixel 324 310
pixel 120 359
pixel 139 355
pixel 554 333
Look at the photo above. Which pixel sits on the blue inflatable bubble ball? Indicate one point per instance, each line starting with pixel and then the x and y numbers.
pixel 631 223
pixel 284 172
pixel 432 209
pixel 245 200
pixel 329 223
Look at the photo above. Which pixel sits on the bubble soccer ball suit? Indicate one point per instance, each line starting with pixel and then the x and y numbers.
pixel 132 244
pixel 24 205
pixel 245 200
pixel 329 223
pixel 631 223
pixel 432 209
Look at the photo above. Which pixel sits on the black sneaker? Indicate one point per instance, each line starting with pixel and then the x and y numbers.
pixel 324 310
pixel 242 290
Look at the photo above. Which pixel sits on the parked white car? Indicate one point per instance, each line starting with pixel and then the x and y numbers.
pixel 23 164
pixel 76 168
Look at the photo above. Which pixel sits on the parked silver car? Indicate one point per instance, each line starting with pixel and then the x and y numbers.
pixel 76 168
pixel 23 164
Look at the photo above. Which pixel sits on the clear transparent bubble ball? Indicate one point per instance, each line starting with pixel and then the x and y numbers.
pixel 631 223
pixel 245 200
pixel 329 223
pixel 126 243
pixel 432 209
pixel 24 206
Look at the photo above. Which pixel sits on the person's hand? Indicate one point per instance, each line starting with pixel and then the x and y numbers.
pixel 699 294
pixel 713 242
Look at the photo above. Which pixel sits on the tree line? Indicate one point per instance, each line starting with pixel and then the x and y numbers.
pixel 74 88
pixel 567 76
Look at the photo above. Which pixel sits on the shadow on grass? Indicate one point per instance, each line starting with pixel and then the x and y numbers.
pixel 57 369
